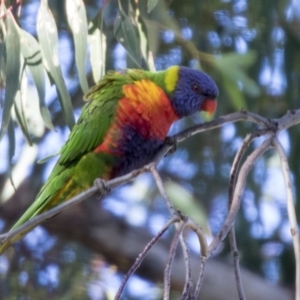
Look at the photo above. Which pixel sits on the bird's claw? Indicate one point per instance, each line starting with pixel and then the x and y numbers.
pixel 102 186
pixel 171 141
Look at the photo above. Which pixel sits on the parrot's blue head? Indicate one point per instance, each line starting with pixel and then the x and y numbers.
pixel 194 91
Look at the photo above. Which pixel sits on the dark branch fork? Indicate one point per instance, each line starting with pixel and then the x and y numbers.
pixel 239 172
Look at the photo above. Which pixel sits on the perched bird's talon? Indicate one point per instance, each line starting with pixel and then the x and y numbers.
pixel 102 186
pixel 171 141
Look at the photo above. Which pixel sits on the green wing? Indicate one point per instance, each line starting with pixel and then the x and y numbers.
pixel 97 115
pixel 94 121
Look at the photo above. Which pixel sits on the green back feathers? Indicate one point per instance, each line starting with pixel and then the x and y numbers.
pixel 94 121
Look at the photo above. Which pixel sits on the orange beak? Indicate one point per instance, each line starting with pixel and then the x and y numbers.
pixel 209 105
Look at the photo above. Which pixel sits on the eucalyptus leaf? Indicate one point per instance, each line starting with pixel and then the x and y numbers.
pixel 185 202
pixel 97 41
pixel 244 61
pixel 48 37
pixel 19 106
pixel 31 52
pixel 151 5
pixel 77 20
pixel 12 45
pixel 142 30
pixel 236 96
pixel 232 66
pixel 126 33
pixel 2 29
pixel 11 148
pixel 2 51
pixel 45 159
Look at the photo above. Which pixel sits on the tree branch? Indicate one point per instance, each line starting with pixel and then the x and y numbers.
pixel 233 177
pixel 237 195
pixel 168 268
pixel 291 210
pixel 142 255
pixel 237 184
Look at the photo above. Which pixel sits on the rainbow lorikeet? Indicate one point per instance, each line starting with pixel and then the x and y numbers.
pixel 123 125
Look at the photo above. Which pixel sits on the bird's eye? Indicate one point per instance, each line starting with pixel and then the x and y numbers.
pixel 196 88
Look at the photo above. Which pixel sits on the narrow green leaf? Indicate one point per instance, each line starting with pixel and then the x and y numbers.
pixel 12 45
pixel 2 49
pixel 244 61
pixel 142 34
pixel 47 34
pixel 153 37
pixel 232 67
pixel 144 42
pixel 186 203
pixel 235 95
pixel 20 114
pixel 11 148
pixel 97 41
pixel 126 33
pixel 76 15
pixel 31 52
pixel 2 46
pixel 161 18
pixel 45 159
pixel 19 106
pixel 151 5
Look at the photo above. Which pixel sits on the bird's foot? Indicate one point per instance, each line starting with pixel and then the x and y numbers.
pixel 102 186
pixel 171 141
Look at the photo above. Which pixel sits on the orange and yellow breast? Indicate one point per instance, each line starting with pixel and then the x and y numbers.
pixel 141 123
pixel 147 107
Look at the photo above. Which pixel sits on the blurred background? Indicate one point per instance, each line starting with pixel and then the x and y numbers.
pixel 251 49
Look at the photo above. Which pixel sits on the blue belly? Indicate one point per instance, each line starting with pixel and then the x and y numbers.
pixel 136 152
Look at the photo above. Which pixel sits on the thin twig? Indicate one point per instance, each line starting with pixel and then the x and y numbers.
pixel 201 276
pixel 230 118
pixel 11 8
pixel 255 118
pixel 238 158
pixel 203 244
pixel 188 286
pixel 162 190
pixel 233 175
pixel 142 255
pixel 236 263
pixel 189 223
pixel 238 192
pixel 172 211
pixel 291 210
pixel 172 251
pixel 291 118
pixel 200 234
pixel 19 8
